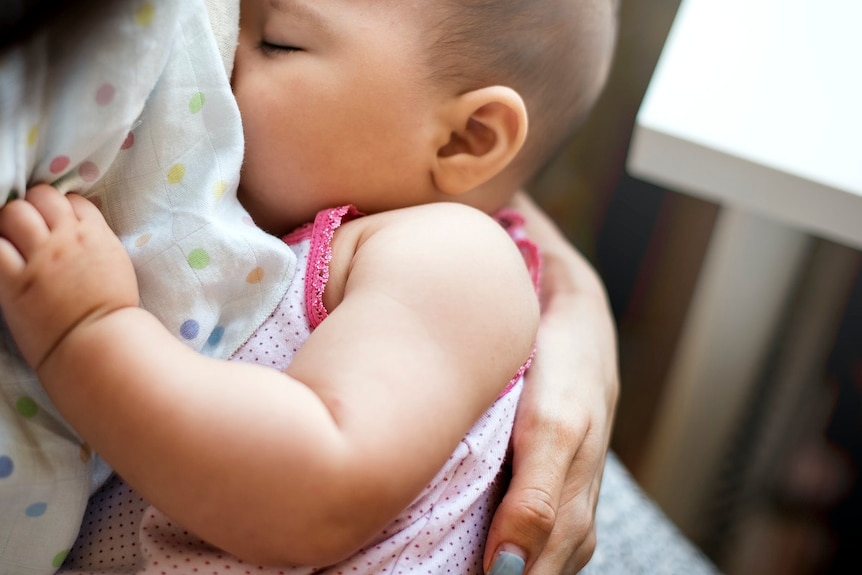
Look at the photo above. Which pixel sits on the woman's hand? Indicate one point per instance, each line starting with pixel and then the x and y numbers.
pixel 60 266
pixel 564 420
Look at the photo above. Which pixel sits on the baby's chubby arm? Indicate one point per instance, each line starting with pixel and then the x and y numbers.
pixel 432 311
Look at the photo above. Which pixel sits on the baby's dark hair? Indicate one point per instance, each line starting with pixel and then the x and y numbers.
pixel 554 53
pixel 20 20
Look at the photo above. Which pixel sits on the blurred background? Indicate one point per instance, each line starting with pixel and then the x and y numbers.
pixel 785 499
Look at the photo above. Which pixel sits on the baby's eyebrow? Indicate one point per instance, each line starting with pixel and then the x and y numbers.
pixel 300 10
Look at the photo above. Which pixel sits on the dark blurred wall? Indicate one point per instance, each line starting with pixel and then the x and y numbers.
pixel 646 242
pixel 782 507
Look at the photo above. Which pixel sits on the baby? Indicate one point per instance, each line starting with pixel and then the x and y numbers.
pixel 400 112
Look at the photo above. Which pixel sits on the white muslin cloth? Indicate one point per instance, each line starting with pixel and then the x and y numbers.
pixel 129 104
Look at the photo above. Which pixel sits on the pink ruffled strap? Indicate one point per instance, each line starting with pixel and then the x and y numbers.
pixel 513 223
pixel 319 256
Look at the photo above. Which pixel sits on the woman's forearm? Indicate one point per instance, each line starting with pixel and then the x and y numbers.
pixel 565 415
pixel 574 299
pixel 565 269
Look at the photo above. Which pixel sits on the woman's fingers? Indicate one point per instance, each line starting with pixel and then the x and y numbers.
pixel 573 540
pixel 526 517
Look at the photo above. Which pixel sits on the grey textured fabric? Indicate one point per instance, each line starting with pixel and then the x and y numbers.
pixel 635 537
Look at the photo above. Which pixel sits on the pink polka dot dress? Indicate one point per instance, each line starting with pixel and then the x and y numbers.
pixel 442 531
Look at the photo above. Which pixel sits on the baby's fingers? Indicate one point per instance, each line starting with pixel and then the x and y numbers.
pixel 51 204
pixel 83 208
pixel 23 227
pixel 11 261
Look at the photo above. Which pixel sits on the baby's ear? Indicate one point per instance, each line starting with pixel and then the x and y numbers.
pixel 488 127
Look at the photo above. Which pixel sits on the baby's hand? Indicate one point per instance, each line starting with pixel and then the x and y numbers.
pixel 61 267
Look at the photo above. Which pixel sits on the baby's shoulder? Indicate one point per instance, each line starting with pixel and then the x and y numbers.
pixel 449 230
pixel 433 250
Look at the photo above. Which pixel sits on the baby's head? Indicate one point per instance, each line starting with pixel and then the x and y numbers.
pixel 554 53
pixel 390 103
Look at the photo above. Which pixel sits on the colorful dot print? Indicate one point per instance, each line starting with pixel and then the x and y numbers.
pixel 145 14
pixel 26 407
pixel 198 259
pixel 89 172
pixel 196 104
pixel 58 559
pixel 189 329
pixel 36 509
pixel 32 135
pixel 6 466
pixel 128 142
pixel 255 276
pixel 59 164
pixel 219 188
pixel 215 336
pixel 176 173
pixel 143 240
pixel 105 94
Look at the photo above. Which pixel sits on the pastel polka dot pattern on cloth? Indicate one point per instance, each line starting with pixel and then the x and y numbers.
pixel 176 173
pixel 59 164
pixel 58 559
pixel 27 407
pixel 199 258
pixel 218 190
pixel 145 14
pixel 7 466
pixel 215 336
pixel 36 509
pixel 196 103
pixel 89 171
pixel 190 329
pixel 105 94
pixel 255 276
pixel 145 126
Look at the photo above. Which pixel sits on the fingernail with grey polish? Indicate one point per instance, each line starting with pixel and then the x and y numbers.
pixel 507 564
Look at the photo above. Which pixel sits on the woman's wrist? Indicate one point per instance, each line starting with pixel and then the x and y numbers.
pixel 576 313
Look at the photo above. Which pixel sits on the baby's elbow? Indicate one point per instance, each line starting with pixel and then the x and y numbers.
pixel 320 535
pixel 318 546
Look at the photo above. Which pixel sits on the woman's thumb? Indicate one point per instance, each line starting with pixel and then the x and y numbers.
pixel 521 526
